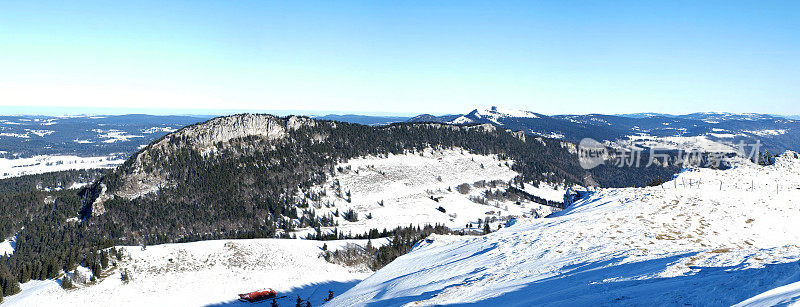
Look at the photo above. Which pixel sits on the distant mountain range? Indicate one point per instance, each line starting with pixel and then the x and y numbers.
pixel 122 135
pixel 697 130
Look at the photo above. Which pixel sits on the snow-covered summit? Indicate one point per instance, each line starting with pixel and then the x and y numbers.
pixel 496 114
pixel 707 237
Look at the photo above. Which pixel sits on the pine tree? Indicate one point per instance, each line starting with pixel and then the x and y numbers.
pixel 96 269
pixel 369 249
pixel 66 282
pixel 104 259
pixel 8 283
pixel 126 277
pixel 25 276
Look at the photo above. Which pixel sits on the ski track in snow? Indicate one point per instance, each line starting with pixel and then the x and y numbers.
pixel 708 237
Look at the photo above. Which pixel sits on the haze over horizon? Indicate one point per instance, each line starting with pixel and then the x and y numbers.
pixel 88 111
pixel 399 58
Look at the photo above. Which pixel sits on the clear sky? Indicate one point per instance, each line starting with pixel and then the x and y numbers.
pixel 399 57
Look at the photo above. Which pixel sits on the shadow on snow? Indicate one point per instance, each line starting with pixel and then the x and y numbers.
pixel 315 293
pixel 607 283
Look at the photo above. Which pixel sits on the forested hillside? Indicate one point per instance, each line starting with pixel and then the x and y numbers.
pixel 238 177
pixel 245 185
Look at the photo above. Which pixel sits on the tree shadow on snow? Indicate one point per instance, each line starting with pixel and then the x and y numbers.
pixel 314 293
pixel 607 283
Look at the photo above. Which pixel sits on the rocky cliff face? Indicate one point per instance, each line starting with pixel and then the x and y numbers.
pixel 224 129
pixel 141 176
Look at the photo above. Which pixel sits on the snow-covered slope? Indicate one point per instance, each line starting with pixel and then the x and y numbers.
pixel 206 273
pixel 8 245
pixel 399 190
pixel 788 295
pixel 686 143
pixel 495 114
pixel 395 190
pixel 708 237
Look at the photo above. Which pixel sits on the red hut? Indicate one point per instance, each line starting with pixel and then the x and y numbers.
pixel 259 295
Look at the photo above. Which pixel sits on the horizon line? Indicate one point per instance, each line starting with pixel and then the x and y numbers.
pixel 205 112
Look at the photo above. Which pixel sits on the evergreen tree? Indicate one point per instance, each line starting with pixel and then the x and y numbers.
pixel 104 259
pixel 8 283
pixel 66 282
pixel 125 276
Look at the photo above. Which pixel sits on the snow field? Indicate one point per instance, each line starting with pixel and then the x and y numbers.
pixel 671 245
pixel 788 295
pixel 206 273
pixel 7 246
pixel 397 190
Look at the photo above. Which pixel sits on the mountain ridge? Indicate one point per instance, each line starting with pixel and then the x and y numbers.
pixel 775 134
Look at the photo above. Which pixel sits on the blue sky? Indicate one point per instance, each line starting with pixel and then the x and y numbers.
pixel 390 57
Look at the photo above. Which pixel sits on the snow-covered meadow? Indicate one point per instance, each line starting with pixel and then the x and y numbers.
pixel 708 237
pixel 206 273
pixel 400 190
pixel 688 143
